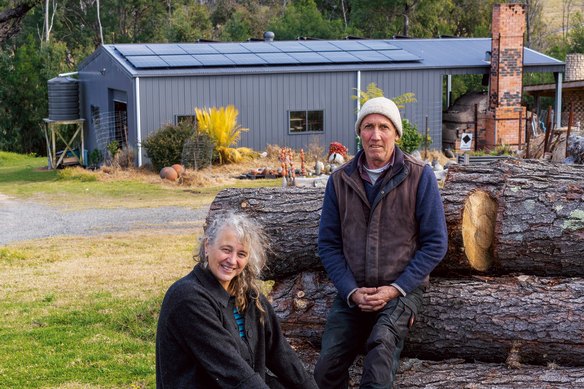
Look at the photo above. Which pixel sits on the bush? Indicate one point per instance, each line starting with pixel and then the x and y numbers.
pixel 221 126
pixel 164 147
pixel 411 139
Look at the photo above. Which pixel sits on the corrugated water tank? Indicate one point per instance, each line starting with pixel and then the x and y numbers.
pixel 63 98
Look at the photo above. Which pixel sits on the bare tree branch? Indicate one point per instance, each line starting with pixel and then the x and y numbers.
pixel 11 17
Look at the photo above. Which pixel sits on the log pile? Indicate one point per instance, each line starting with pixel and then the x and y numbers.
pixel 505 305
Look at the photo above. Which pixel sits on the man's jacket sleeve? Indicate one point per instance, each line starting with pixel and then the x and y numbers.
pixel 330 244
pixel 432 233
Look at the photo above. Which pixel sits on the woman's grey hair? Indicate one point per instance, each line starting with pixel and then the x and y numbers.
pixel 251 234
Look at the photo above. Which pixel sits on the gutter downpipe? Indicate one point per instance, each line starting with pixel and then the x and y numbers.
pixel 358 90
pixel 138 123
pixel 558 105
pixel 357 139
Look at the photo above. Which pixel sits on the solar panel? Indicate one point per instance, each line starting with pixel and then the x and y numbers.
pixel 319 46
pixel 277 58
pixel 126 50
pixel 230 48
pixel 340 57
pixel 165 49
pixel 309 57
pixel 146 61
pixel 198 48
pixel 180 60
pixel 183 55
pixel 379 45
pixel 289 47
pixel 245 59
pixel 213 59
pixel 260 47
pixel 349 45
pixel 400 55
pixel 370 56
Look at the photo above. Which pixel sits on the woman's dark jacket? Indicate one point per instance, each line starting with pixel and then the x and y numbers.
pixel 198 343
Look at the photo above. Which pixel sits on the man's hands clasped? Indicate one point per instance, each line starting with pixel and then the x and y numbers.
pixel 373 299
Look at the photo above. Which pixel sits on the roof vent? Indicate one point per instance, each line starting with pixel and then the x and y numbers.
pixel 269 36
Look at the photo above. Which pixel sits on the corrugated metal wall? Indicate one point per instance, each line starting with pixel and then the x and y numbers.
pixel 264 101
pixel 427 87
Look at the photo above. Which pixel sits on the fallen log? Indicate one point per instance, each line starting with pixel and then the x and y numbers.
pixel 290 218
pixel 512 216
pixel 515 216
pixel 524 319
pixel 456 373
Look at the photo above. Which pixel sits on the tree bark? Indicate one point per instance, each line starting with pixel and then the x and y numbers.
pixel 456 373
pixel 290 218
pixel 10 18
pixel 519 216
pixel 504 319
pixel 513 216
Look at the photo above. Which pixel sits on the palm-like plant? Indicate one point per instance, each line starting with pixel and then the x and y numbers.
pixel 221 126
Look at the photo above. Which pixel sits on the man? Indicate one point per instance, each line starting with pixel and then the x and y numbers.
pixel 382 231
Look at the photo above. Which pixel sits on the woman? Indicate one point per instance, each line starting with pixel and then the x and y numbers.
pixel 215 328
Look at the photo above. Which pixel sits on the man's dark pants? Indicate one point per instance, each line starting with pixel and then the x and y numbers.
pixel 381 335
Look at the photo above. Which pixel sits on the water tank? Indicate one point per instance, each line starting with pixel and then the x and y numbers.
pixel 63 98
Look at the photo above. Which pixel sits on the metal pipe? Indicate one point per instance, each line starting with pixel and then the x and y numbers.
pixel 68 74
pixel 558 102
pixel 138 123
pixel 358 90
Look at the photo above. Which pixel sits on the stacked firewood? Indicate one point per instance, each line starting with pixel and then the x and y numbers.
pixel 505 307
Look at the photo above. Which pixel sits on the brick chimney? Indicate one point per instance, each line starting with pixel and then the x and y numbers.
pixel 506 121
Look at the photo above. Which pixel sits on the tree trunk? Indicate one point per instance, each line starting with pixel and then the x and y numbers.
pixel 519 216
pixel 515 319
pixel 290 218
pixel 515 216
pixel 456 373
pixel 10 18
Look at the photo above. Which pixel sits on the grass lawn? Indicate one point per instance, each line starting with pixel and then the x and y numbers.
pixel 27 177
pixel 81 312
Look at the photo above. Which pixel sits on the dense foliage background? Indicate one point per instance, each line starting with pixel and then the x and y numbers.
pixel 53 36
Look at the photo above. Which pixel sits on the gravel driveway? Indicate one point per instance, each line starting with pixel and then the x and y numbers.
pixel 23 220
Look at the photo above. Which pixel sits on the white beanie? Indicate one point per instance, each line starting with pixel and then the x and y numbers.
pixel 382 106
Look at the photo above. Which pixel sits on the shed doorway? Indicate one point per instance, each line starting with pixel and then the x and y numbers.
pixel 121 123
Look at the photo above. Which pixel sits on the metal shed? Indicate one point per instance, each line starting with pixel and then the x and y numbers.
pixel 289 93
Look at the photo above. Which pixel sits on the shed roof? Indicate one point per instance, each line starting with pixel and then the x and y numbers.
pixel 454 55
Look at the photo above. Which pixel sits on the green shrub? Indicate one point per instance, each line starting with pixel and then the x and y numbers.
pixel 411 140
pixel 164 147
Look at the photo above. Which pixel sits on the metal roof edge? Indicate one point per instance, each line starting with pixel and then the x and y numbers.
pixel 545 55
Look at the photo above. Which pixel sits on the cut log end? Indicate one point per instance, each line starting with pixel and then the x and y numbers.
pixel 478 229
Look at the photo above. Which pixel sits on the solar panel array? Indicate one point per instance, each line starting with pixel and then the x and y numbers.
pixel 188 55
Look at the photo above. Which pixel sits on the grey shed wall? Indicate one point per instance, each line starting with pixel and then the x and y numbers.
pixel 264 102
pixel 101 81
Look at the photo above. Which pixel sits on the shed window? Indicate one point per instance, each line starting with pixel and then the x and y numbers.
pixel 306 121
pixel 185 118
